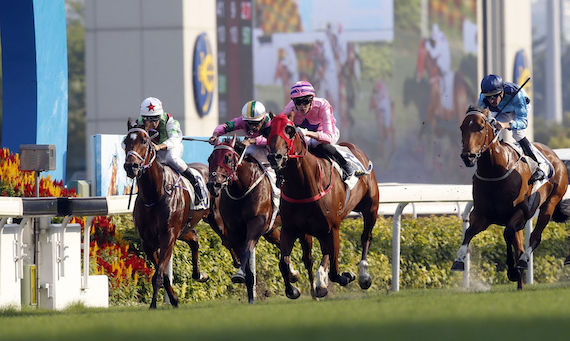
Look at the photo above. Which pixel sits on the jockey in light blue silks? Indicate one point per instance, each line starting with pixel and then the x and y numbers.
pixel 495 95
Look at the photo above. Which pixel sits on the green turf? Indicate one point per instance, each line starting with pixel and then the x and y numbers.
pixel 539 313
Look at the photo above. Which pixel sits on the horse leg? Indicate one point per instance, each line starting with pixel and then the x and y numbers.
pixel 164 256
pixel 215 225
pixel 191 238
pixel 250 281
pixel 307 247
pixel 346 277
pixel 286 246
pixel 514 239
pixel 536 236
pixel 254 230
pixel 152 256
pixel 477 224
pixel 274 237
pixel 322 280
pixel 369 217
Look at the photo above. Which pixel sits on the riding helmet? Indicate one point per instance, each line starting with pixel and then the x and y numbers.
pixel 491 85
pixel 151 107
pixel 302 89
pixel 253 111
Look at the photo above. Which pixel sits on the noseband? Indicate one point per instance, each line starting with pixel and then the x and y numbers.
pixel 489 123
pixel 148 152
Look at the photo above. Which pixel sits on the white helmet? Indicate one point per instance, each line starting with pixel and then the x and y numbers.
pixel 253 111
pixel 151 107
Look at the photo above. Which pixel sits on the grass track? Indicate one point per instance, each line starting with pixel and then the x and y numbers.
pixel 539 313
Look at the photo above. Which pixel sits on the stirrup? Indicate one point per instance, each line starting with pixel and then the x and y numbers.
pixel 537 175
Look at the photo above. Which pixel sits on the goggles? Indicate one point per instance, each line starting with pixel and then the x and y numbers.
pixel 303 100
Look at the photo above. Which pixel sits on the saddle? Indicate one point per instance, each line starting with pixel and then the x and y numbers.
pixel 545 164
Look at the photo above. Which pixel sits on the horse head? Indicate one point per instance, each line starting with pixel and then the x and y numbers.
pixel 281 142
pixel 477 134
pixel 139 151
pixel 222 165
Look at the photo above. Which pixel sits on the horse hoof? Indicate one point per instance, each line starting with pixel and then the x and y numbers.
pixel 458 266
pixel 293 294
pixel 365 281
pixel 522 265
pixel 238 277
pixel 251 301
pixel 567 261
pixel 202 277
pixel 321 292
pixel 513 275
pixel 349 276
pixel 294 276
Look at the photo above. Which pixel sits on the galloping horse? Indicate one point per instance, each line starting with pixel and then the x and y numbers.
pixel 436 110
pixel 245 205
pixel 164 209
pixel 502 194
pixel 314 201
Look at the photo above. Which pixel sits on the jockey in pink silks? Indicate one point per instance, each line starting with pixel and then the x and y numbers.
pixel 314 115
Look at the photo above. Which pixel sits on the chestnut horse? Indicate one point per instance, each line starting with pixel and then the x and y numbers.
pixel 245 206
pixel 314 201
pixel 164 209
pixel 435 110
pixel 502 194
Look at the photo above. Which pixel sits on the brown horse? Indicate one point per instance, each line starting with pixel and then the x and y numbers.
pixel 436 111
pixel 163 211
pixel 245 206
pixel 314 201
pixel 502 194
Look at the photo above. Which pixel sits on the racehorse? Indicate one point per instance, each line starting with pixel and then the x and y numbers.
pixel 502 194
pixel 164 209
pixel 436 111
pixel 245 206
pixel 314 201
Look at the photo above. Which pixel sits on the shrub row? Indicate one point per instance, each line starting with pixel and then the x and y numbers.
pixel 428 248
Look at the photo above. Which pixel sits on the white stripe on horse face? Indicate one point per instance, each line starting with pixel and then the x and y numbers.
pixel 133 136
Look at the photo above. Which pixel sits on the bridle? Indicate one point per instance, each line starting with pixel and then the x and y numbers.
pixel 290 142
pixel 489 123
pixel 232 171
pixel 232 177
pixel 150 153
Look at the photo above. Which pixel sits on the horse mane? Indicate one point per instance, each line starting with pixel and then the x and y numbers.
pixel 474 107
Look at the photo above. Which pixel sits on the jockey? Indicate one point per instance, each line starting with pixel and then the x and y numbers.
pixel 495 95
pixel 169 147
pixel 315 116
pixel 255 122
pixel 438 49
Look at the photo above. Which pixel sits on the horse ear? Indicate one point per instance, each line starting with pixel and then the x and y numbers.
pixel 271 115
pixel 233 143
pixel 291 115
pixel 129 123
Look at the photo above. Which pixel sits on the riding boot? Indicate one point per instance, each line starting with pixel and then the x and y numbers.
pixel 335 155
pixel 198 197
pixel 538 174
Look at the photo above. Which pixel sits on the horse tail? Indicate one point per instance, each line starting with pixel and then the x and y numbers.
pixel 561 211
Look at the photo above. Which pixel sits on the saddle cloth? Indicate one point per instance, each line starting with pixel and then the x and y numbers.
pixel 356 164
pixel 545 164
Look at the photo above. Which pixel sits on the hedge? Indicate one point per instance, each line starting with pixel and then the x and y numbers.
pixel 428 248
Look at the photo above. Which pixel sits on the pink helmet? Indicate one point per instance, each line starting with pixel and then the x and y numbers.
pixel 301 89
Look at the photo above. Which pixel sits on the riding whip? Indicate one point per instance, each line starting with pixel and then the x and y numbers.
pixel 195 139
pixel 515 95
pixel 130 195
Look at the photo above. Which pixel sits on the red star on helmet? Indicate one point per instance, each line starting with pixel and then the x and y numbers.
pixel 150 107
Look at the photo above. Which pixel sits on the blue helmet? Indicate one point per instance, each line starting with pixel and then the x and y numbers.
pixel 491 85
